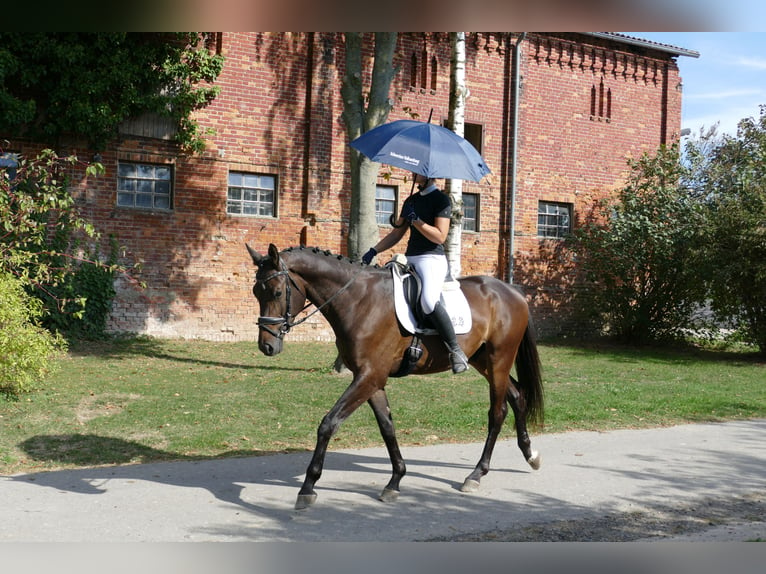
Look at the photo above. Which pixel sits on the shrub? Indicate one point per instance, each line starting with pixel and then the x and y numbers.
pixel 639 254
pixel 26 349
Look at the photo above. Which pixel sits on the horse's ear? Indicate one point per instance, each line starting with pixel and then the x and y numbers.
pixel 274 254
pixel 257 257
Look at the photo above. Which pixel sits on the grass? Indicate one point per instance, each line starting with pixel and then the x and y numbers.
pixel 142 400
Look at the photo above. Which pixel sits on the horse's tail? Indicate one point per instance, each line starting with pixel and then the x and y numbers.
pixel 528 370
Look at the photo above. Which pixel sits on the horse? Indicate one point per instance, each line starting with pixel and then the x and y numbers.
pixel 358 302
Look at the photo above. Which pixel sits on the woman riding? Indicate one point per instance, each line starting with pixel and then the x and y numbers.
pixel 427 213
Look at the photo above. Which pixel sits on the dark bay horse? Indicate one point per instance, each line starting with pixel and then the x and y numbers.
pixel 358 302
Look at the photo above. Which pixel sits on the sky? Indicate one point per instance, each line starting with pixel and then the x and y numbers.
pixel 725 84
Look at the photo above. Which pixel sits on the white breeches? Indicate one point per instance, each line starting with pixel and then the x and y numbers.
pixel 432 270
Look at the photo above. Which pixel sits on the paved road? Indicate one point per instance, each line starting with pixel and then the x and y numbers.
pixel 584 476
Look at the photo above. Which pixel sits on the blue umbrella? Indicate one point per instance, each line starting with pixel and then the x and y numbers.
pixel 422 148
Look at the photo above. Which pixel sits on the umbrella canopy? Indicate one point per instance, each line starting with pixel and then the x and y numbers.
pixel 422 148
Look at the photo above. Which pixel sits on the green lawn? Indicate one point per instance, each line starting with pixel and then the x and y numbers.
pixel 141 400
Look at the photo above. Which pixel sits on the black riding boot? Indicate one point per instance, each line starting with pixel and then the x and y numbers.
pixel 441 321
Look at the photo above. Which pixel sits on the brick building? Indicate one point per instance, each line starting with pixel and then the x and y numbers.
pixel 555 116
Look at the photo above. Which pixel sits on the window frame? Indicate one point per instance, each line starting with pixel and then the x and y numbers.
pixel 145 187
pixel 561 231
pixel 477 210
pixel 256 203
pixel 384 218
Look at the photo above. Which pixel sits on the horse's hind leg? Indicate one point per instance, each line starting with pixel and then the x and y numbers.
pixel 379 404
pixel 519 406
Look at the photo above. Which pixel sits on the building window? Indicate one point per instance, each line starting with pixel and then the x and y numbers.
pixel 9 163
pixel 385 203
pixel 470 212
pixel 251 194
pixel 554 219
pixel 474 133
pixel 144 185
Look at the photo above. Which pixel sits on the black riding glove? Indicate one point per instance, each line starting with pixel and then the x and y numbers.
pixel 367 257
pixel 408 212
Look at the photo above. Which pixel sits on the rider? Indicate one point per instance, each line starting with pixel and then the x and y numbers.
pixel 427 213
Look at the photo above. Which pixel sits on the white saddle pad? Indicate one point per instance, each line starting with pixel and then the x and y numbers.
pixel 454 301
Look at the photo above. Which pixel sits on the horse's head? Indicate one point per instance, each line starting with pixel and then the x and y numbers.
pixel 278 296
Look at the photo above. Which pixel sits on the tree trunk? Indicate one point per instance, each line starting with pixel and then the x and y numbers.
pixel 457 124
pixel 363 227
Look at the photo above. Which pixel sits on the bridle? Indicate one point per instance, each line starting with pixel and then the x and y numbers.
pixel 285 322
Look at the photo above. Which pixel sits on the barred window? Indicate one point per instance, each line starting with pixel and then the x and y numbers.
pixel 385 203
pixel 144 185
pixel 470 212
pixel 554 219
pixel 251 194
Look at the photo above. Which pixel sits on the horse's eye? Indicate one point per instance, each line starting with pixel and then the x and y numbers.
pixel 277 294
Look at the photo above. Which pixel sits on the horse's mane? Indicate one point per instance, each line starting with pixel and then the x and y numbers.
pixel 323 252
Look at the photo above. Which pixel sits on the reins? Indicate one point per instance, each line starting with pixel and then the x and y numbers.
pixel 284 322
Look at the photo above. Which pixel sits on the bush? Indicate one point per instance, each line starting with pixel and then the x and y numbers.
pixel 26 349
pixel 79 304
pixel 733 181
pixel 639 254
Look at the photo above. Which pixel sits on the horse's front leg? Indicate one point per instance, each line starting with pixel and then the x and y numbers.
pixel 356 394
pixel 379 404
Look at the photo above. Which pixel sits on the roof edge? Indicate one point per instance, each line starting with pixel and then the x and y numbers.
pixel 644 43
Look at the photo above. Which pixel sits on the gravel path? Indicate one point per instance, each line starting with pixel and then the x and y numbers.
pixel 697 481
pixel 725 519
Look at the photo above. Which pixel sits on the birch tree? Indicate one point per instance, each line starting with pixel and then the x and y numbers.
pixel 363 111
pixel 458 93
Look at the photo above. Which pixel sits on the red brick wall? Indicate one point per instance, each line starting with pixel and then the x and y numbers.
pixel 279 112
pixel 569 155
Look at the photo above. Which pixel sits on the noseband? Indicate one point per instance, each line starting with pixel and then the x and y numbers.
pixel 285 322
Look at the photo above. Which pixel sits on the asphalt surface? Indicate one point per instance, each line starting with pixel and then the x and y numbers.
pixel 584 476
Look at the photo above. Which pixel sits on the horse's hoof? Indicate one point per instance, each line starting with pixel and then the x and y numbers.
pixel 470 485
pixel 389 495
pixel 534 460
pixel 304 501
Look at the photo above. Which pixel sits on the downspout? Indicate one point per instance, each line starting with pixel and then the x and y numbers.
pixel 514 152
pixel 307 121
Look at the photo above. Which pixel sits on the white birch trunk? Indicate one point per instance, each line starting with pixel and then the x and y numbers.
pixel 458 94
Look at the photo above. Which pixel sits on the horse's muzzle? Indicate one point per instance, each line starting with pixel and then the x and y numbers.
pixel 270 348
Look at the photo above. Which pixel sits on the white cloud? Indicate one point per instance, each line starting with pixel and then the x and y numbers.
pixel 752 63
pixel 724 94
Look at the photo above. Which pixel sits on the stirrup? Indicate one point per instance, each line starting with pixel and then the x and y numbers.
pixel 459 362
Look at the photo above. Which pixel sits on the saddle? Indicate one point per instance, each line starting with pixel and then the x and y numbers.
pixel 409 313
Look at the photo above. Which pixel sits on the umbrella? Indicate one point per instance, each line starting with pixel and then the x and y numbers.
pixel 422 148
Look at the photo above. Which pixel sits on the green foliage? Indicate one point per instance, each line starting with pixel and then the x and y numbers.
pixel 87 83
pixel 87 293
pixel 638 253
pixel 26 349
pixel 732 177
pixel 51 249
